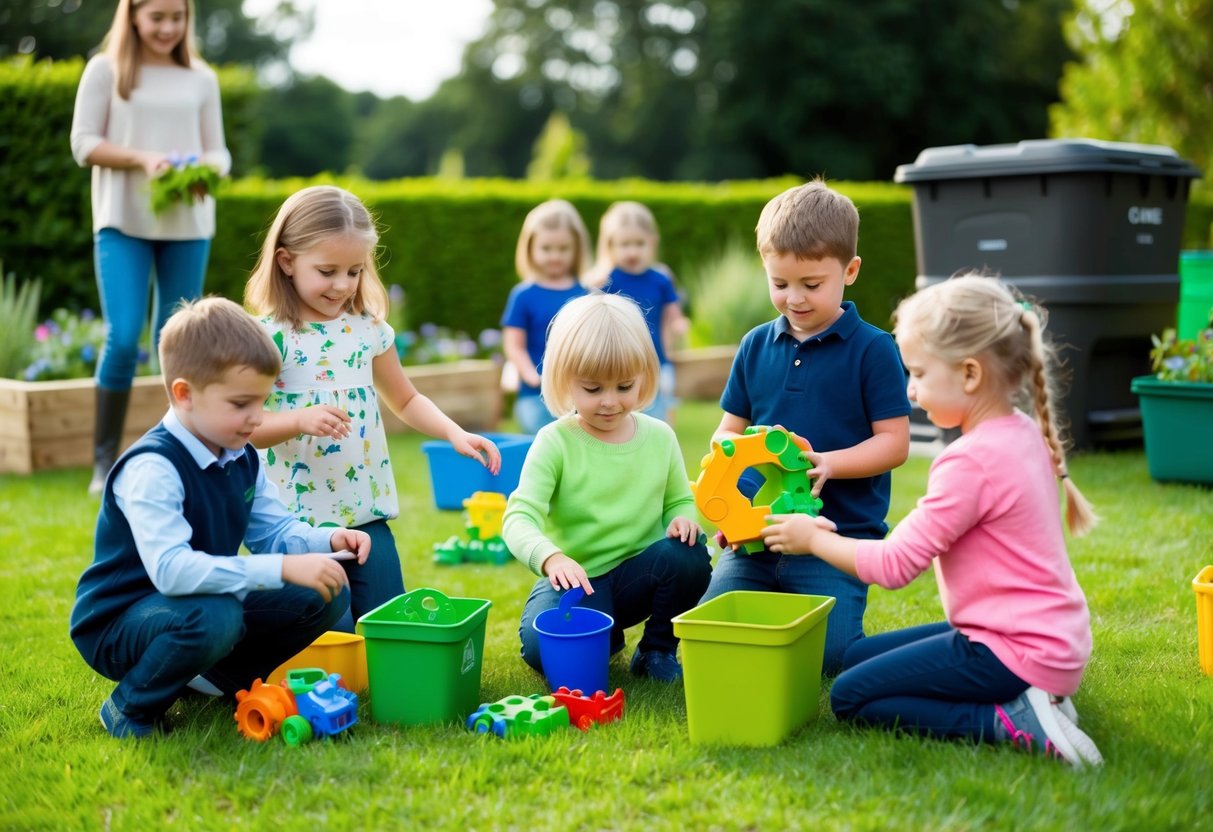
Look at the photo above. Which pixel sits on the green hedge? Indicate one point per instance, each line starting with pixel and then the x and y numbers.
pixel 450 245
pixel 45 218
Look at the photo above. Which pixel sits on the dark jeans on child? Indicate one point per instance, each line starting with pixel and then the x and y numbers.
pixel 663 581
pixel 927 680
pixel 155 648
pixel 374 583
pixel 765 571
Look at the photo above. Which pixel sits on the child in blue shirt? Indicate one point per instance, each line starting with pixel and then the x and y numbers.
pixel 166 604
pixel 820 371
pixel 553 254
pixel 627 265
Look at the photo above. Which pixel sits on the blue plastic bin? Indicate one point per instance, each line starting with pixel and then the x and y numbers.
pixel 454 478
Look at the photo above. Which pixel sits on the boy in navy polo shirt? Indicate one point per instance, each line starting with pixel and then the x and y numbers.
pixel 820 371
pixel 166 605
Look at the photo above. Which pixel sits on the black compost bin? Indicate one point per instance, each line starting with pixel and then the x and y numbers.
pixel 1090 229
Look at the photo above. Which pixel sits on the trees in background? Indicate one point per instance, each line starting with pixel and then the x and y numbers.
pixel 1146 75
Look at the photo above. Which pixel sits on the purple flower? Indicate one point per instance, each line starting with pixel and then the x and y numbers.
pixel 1175 363
pixel 428 330
pixel 42 332
pixel 87 315
pixel 490 338
pixel 395 294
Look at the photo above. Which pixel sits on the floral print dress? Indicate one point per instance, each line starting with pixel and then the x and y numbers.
pixel 326 481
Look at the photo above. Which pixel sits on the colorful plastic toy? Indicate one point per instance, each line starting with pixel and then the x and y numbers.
pixel 517 716
pixel 779 456
pixel 484 543
pixel 309 703
pixel 585 711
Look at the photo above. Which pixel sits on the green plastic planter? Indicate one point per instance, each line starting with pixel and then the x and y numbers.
pixel 1177 423
pixel 423 655
pixel 752 665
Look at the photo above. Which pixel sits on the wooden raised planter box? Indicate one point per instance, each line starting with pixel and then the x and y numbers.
pixel 702 373
pixel 49 424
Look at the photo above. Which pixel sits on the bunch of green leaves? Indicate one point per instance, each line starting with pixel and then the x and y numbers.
pixel 18 312
pixel 184 183
pixel 1183 359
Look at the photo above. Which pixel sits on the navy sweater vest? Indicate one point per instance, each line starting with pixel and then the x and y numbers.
pixel 218 504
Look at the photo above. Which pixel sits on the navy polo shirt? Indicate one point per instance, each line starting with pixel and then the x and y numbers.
pixel 829 388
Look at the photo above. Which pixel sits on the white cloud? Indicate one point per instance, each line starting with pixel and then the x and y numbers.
pixel 389 47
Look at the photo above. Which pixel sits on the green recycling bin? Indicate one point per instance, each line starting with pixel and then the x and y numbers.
pixel 1195 292
pixel 424 654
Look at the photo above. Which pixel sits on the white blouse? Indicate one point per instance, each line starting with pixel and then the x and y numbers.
pixel 173 109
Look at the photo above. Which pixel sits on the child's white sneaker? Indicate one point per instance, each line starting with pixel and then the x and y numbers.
pixel 1033 721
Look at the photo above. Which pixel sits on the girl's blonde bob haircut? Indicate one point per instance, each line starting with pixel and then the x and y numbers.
pixel 553 215
pixel 598 337
pixel 122 45
pixel 306 219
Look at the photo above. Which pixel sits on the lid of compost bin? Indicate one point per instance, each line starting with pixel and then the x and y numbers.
pixel 969 161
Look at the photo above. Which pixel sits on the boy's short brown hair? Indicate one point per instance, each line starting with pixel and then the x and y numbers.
pixel 810 221
pixel 205 338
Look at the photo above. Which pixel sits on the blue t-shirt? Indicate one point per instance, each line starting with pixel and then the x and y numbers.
pixel 829 389
pixel 531 307
pixel 651 290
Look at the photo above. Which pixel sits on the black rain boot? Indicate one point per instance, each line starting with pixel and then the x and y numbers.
pixel 107 434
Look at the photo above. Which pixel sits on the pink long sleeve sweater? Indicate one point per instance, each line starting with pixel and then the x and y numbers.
pixel 991 522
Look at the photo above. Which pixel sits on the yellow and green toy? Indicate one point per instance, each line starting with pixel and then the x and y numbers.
pixel 780 456
pixel 484 543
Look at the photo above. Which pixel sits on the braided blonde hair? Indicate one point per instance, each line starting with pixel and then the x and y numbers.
pixel 974 315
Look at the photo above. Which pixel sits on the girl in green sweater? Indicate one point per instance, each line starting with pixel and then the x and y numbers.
pixel 603 501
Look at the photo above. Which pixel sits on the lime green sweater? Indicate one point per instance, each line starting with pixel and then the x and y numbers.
pixel 596 502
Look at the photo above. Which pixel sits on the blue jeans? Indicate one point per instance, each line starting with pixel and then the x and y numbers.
pixel 124 267
pixel 926 680
pixel 663 581
pixel 160 643
pixel 375 582
pixel 531 413
pixel 766 571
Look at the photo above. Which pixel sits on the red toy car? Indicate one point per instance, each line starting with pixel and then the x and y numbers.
pixel 584 710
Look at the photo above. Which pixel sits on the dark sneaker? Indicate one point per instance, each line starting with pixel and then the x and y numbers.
pixel 119 725
pixel 1033 721
pixel 656 664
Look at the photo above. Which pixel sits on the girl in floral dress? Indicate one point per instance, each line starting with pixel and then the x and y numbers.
pixel 322 302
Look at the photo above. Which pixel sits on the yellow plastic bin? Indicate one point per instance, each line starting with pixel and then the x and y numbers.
pixel 343 653
pixel 1202 584
pixel 423 654
pixel 752 665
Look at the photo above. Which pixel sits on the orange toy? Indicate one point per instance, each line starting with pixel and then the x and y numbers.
pixel 780 456
pixel 262 709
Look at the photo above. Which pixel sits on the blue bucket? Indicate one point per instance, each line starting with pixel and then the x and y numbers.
pixel 574 644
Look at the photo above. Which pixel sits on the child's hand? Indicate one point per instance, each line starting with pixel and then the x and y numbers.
pixel 318 572
pixel 153 163
pixel 820 472
pixel 723 542
pixel 478 448
pixel 530 377
pixel 323 420
pixel 352 540
pixel 793 534
pixel 687 531
pixel 565 573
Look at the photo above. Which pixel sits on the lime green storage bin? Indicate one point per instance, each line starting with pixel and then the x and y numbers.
pixel 752 665
pixel 1195 292
pixel 423 657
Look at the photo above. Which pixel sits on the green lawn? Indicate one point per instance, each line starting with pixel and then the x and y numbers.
pixel 1144 701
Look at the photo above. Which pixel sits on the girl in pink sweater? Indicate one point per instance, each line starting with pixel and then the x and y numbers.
pixel 1017 637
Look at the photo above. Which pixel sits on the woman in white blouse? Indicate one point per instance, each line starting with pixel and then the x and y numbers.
pixel 144 100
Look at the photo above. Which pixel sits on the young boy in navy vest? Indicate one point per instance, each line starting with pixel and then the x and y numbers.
pixel 166 604
pixel 820 371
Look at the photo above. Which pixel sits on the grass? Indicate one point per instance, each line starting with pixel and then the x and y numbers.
pixel 1144 701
